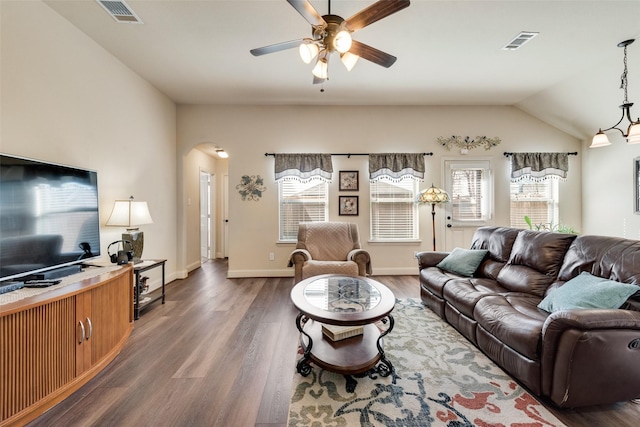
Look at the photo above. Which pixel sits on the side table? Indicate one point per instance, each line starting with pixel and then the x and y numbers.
pixel 151 297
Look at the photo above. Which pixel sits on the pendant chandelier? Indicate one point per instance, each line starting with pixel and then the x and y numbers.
pixel 633 131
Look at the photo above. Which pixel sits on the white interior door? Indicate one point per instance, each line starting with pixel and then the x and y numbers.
pixel 205 216
pixel 225 215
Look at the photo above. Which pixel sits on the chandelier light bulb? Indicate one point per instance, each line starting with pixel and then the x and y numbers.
pixel 342 42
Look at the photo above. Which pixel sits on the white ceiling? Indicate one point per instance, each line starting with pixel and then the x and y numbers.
pixel 449 53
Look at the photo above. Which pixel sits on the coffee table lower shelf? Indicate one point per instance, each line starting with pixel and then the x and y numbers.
pixel 350 356
pixel 362 354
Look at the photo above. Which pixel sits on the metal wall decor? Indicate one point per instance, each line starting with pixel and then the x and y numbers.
pixel 251 187
pixel 468 143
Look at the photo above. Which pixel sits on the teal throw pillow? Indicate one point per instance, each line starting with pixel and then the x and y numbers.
pixel 588 291
pixel 464 262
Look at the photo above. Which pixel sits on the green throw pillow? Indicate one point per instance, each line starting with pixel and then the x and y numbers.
pixel 588 291
pixel 464 262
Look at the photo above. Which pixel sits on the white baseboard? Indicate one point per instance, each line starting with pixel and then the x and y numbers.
pixel 234 274
pixel 400 271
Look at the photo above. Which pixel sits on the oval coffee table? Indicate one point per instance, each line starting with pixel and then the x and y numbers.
pixel 343 301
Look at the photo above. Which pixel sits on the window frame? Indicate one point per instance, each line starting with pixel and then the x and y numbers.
pixel 383 236
pixel 290 236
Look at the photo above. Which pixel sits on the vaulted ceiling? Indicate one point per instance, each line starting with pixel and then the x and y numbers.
pixel 449 53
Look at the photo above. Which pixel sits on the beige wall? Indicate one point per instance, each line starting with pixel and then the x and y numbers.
pixel 65 99
pixel 249 132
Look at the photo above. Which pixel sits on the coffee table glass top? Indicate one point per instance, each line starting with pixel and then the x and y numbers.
pixel 342 294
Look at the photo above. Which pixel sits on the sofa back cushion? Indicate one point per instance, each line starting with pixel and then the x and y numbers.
pixel 498 241
pixel 536 258
pixel 612 258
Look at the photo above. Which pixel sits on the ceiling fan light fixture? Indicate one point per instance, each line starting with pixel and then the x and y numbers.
pixel 349 60
pixel 321 70
pixel 600 139
pixel 308 50
pixel 342 41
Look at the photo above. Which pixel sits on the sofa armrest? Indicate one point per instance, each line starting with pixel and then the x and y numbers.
pixel 363 259
pixel 430 258
pixel 578 344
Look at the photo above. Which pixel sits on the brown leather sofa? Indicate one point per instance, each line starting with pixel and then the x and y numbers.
pixel 576 357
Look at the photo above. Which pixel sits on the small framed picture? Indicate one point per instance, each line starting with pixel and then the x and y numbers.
pixel 349 181
pixel 348 205
pixel 636 184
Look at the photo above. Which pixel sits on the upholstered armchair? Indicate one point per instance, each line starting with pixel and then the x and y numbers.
pixel 329 248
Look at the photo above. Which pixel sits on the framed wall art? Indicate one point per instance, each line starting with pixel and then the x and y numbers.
pixel 636 184
pixel 349 181
pixel 348 205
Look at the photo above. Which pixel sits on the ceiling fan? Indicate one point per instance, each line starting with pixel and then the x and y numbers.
pixel 332 33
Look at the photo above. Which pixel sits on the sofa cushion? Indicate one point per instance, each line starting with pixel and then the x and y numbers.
pixel 612 258
pixel 535 260
pixel 433 279
pixel 588 291
pixel 463 261
pixel 463 294
pixel 514 319
pixel 498 241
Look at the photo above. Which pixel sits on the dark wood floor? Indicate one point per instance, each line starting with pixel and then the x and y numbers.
pixel 221 352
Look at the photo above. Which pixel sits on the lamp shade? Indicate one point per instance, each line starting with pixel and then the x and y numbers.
pixel 633 134
pixel 308 51
pixel 342 42
pixel 321 69
pixel 129 213
pixel 600 140
pixel 349 60
pixel 432 195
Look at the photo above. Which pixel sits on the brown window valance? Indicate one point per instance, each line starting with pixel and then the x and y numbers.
pixel 539 166
pixel 303 166
pixel 396 165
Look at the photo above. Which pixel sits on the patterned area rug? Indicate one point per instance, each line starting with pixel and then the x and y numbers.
pixel 440 379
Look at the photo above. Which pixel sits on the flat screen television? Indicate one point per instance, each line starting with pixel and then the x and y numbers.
pixel 49 217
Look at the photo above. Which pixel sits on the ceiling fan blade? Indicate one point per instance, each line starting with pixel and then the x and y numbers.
pixel 372 54
pixel 375 12
pixel 308 12
pixel 276 47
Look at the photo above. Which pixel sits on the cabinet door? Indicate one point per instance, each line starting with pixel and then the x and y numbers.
pixel 111 315
pixel 84 332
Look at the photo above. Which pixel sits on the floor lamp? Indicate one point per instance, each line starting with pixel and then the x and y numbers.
pixel 433 196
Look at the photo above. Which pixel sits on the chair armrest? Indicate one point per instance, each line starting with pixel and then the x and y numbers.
pixel 362 258
pixel 299 256
pixel 430 258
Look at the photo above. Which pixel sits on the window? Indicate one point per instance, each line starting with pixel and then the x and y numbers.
pixel 393 209
pixel 537 200
pixel 469 186
pixel 301 202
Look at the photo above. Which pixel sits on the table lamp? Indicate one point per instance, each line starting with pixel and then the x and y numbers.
pixel 131 213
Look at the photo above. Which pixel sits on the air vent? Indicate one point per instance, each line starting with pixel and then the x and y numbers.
pixel 120 11
pixel 520 40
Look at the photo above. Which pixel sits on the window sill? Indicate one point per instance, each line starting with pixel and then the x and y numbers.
pixel 396 242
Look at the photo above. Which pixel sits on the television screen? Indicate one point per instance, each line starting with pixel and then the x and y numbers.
pixel 48 216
